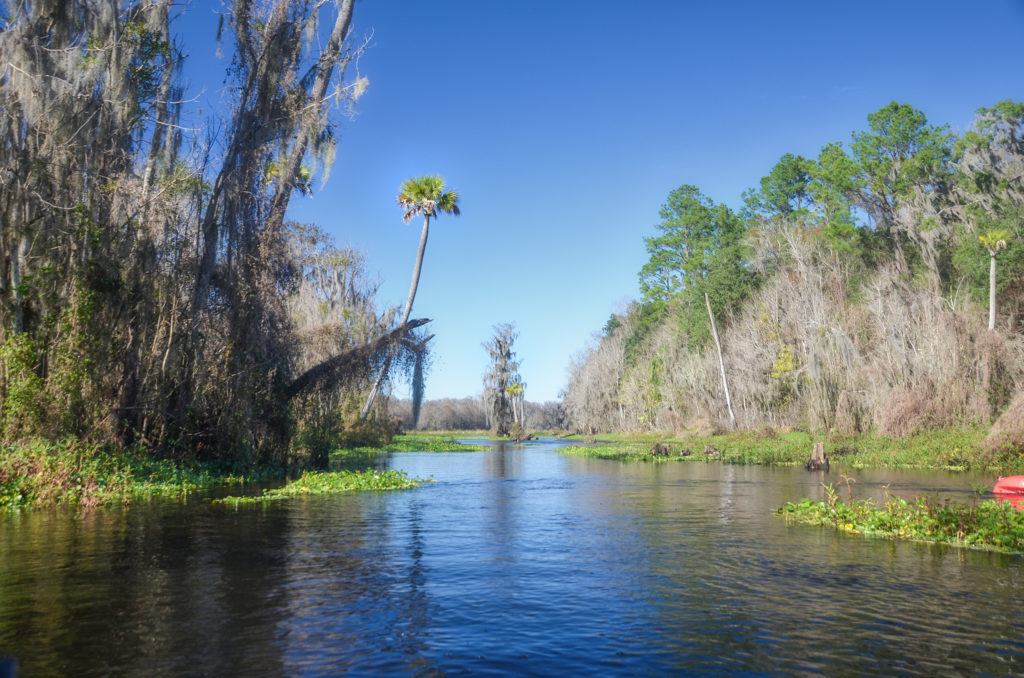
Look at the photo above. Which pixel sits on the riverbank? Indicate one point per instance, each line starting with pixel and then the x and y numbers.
pixel 946 449
pixel 73 473
pixel 77 474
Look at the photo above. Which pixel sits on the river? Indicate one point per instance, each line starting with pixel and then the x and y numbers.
pixel 519 560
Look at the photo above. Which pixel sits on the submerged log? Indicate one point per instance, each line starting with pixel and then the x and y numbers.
pixel 818 460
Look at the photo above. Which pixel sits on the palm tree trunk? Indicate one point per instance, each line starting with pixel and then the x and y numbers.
pixel 992 292
pixel 375 389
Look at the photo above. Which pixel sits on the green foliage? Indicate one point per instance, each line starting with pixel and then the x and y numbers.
pixel 993 525
pixel 421 443
pixel 23 403
pixel 834 182
pixel 74 473
pixel 785 190
pixel 700 250
pixel 312 483
pixel 901 151
pixel 426 195
pixel 697 238
pixel 950 449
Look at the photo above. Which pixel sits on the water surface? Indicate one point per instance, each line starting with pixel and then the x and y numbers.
pixel 518 560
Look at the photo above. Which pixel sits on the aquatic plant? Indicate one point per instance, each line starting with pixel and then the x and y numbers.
pixel 317 483
pixel 993 525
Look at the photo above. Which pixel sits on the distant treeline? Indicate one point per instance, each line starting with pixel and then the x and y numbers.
pixel 877 287
pixel 151 291
pixel 470 414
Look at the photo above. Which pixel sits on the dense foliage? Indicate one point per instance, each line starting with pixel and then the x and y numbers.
pixel 851 292
pixel 151 290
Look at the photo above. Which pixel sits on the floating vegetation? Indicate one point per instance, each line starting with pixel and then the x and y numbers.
pixel 319 483
pixel 430 444
pixel 992 525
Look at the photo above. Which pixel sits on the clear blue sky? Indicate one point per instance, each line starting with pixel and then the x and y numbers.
pixel 564 124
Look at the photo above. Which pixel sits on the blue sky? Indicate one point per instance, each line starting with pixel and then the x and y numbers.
pixel 564 124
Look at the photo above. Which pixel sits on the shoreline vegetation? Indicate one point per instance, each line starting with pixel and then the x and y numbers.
pixel 959 449
pixel 71 473
pixel 990 525
pixel 74 474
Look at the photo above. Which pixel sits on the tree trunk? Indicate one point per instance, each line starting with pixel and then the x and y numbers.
pixel 312 114
pixel 992 292
pixel 721 362
pixel 375 389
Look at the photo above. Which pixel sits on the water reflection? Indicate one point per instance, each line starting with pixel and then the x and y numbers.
pixel 518 560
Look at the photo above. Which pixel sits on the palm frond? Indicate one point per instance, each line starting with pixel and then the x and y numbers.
pixel 426 195
pixel 449 203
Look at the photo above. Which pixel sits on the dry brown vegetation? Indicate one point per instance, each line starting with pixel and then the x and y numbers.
pixel 867 311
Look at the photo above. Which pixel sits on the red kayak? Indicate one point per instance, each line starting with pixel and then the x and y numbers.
pixel 1009 485
pixel 1011 489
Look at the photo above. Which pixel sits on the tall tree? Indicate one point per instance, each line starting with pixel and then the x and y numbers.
pixel 503 372
pixel 699 250
pixel 902 157
pixel 784 191
pixel 426 196
pixel 146 293
pixel 994 240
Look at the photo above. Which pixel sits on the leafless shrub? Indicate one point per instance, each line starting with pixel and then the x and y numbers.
pixel 1007 433
pixel 805 351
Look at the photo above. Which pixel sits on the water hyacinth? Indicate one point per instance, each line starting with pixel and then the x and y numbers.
pixel 992 525
pixel 317 483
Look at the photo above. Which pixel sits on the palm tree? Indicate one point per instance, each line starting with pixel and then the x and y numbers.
pixel 515 394
pixel 424 195
pixel 994 240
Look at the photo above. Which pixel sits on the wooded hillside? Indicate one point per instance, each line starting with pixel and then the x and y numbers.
pixel 853 292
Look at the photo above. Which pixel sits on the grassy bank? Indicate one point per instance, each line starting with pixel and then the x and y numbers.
pixel 951 449
pixel 992 525
pixel 312 483
pixel 71 473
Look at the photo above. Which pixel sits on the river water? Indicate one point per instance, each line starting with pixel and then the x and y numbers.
pixel 518 561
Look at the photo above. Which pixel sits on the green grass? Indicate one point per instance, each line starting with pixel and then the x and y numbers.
pixel 312 483
pixel 949 449
pixel 991 525
pixel 72 473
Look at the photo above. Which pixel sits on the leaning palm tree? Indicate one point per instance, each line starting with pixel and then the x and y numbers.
pixel 424 195
pixel 994 240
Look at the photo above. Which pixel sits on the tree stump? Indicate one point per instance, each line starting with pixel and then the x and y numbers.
pixel 659 449
pixel 818 460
